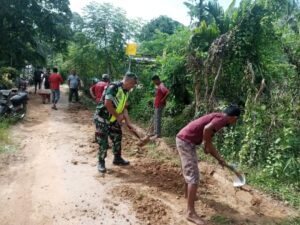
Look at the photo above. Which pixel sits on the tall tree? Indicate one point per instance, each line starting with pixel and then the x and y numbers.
pixel 161 24
pixel 107 26
pixel 28 26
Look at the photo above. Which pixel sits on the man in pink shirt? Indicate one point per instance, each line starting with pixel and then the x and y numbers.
pixel 97 89
pixel 193 134
pixel 55 80
pixel 159 103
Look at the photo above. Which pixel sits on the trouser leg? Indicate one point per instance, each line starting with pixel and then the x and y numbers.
pixel 102 133
pixel 157 121
pixel 115 134
pixel 76 95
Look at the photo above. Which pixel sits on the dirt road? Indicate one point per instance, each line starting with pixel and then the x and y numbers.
pixel 52 179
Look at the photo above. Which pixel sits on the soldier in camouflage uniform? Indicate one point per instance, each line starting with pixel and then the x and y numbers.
pixel 111 111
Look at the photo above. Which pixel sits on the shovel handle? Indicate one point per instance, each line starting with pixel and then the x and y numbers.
pixel 135 133
pixel 233 169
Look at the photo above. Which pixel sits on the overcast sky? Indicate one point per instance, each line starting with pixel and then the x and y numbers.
pixel 147 9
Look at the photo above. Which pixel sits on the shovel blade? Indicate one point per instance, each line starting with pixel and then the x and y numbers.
pixel 143 141
pixel 239 180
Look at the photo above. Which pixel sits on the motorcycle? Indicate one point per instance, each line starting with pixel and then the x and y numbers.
pixel 13 103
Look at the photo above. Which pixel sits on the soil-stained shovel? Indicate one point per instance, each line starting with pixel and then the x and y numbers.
pixel 240 179
pixel 146 139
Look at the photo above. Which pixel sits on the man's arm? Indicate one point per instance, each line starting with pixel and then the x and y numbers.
pixel 165 96
pixel 110 108
pixel 92 89
pixel 126 117
pixel 208 145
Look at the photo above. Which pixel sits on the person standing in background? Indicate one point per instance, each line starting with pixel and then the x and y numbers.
pixel 37 78
pixel 55 80
pixel 161 95
pixel 45 93
pixel 74 85
pixel 97 89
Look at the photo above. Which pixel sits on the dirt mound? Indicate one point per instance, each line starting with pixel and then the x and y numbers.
pixel 147 209
pixel 162 176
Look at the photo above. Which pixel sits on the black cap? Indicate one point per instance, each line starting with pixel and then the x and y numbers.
pixel 131 75
pixel 155 77
pixel 232 110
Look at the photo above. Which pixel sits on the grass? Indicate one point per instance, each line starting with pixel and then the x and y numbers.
pixel 221 220
pixel 293 221
pixel 5 142
pixel 283 191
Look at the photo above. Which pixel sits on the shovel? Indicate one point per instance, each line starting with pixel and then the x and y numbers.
pixel 142 141
pixel 239 179
pixel 146 139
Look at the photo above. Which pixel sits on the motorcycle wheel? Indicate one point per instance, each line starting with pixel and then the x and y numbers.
pixel 3 111
pixel 22 113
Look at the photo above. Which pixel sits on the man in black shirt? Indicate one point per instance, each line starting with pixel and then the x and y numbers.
pixel 37 78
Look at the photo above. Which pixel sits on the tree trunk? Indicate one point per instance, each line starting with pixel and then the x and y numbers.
pixel 210 105
pixel 197 86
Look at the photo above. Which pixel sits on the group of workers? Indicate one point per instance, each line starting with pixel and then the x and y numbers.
pixel 111 114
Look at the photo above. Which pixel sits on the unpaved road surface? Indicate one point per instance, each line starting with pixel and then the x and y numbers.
pixel 52 179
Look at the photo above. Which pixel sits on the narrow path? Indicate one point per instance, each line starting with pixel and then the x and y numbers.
pixel 52 183
pixel 53 179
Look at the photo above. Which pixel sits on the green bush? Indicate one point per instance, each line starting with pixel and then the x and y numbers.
pixel 7 76
pixel 172 125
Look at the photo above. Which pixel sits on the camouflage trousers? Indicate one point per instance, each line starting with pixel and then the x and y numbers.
pixel 114 132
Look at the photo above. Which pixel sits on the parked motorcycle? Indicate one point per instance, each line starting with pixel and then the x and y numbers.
pixel 13 103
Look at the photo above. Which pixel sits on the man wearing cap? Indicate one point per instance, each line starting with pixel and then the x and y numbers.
pixel 111 112
pixel 97 89
pixel 193 134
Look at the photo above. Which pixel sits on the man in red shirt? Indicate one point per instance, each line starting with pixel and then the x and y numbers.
pixel 97 89
pixel 159 103
pixel 55 80
pixel 193 134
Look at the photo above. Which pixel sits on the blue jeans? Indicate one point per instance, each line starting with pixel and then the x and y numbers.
pixel 55 95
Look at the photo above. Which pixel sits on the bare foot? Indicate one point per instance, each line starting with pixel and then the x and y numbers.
pixel 193 217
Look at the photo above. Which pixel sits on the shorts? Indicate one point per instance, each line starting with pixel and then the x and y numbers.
pixel 189 161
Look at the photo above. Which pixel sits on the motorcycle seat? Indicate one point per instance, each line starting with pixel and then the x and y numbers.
pixel 5 93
